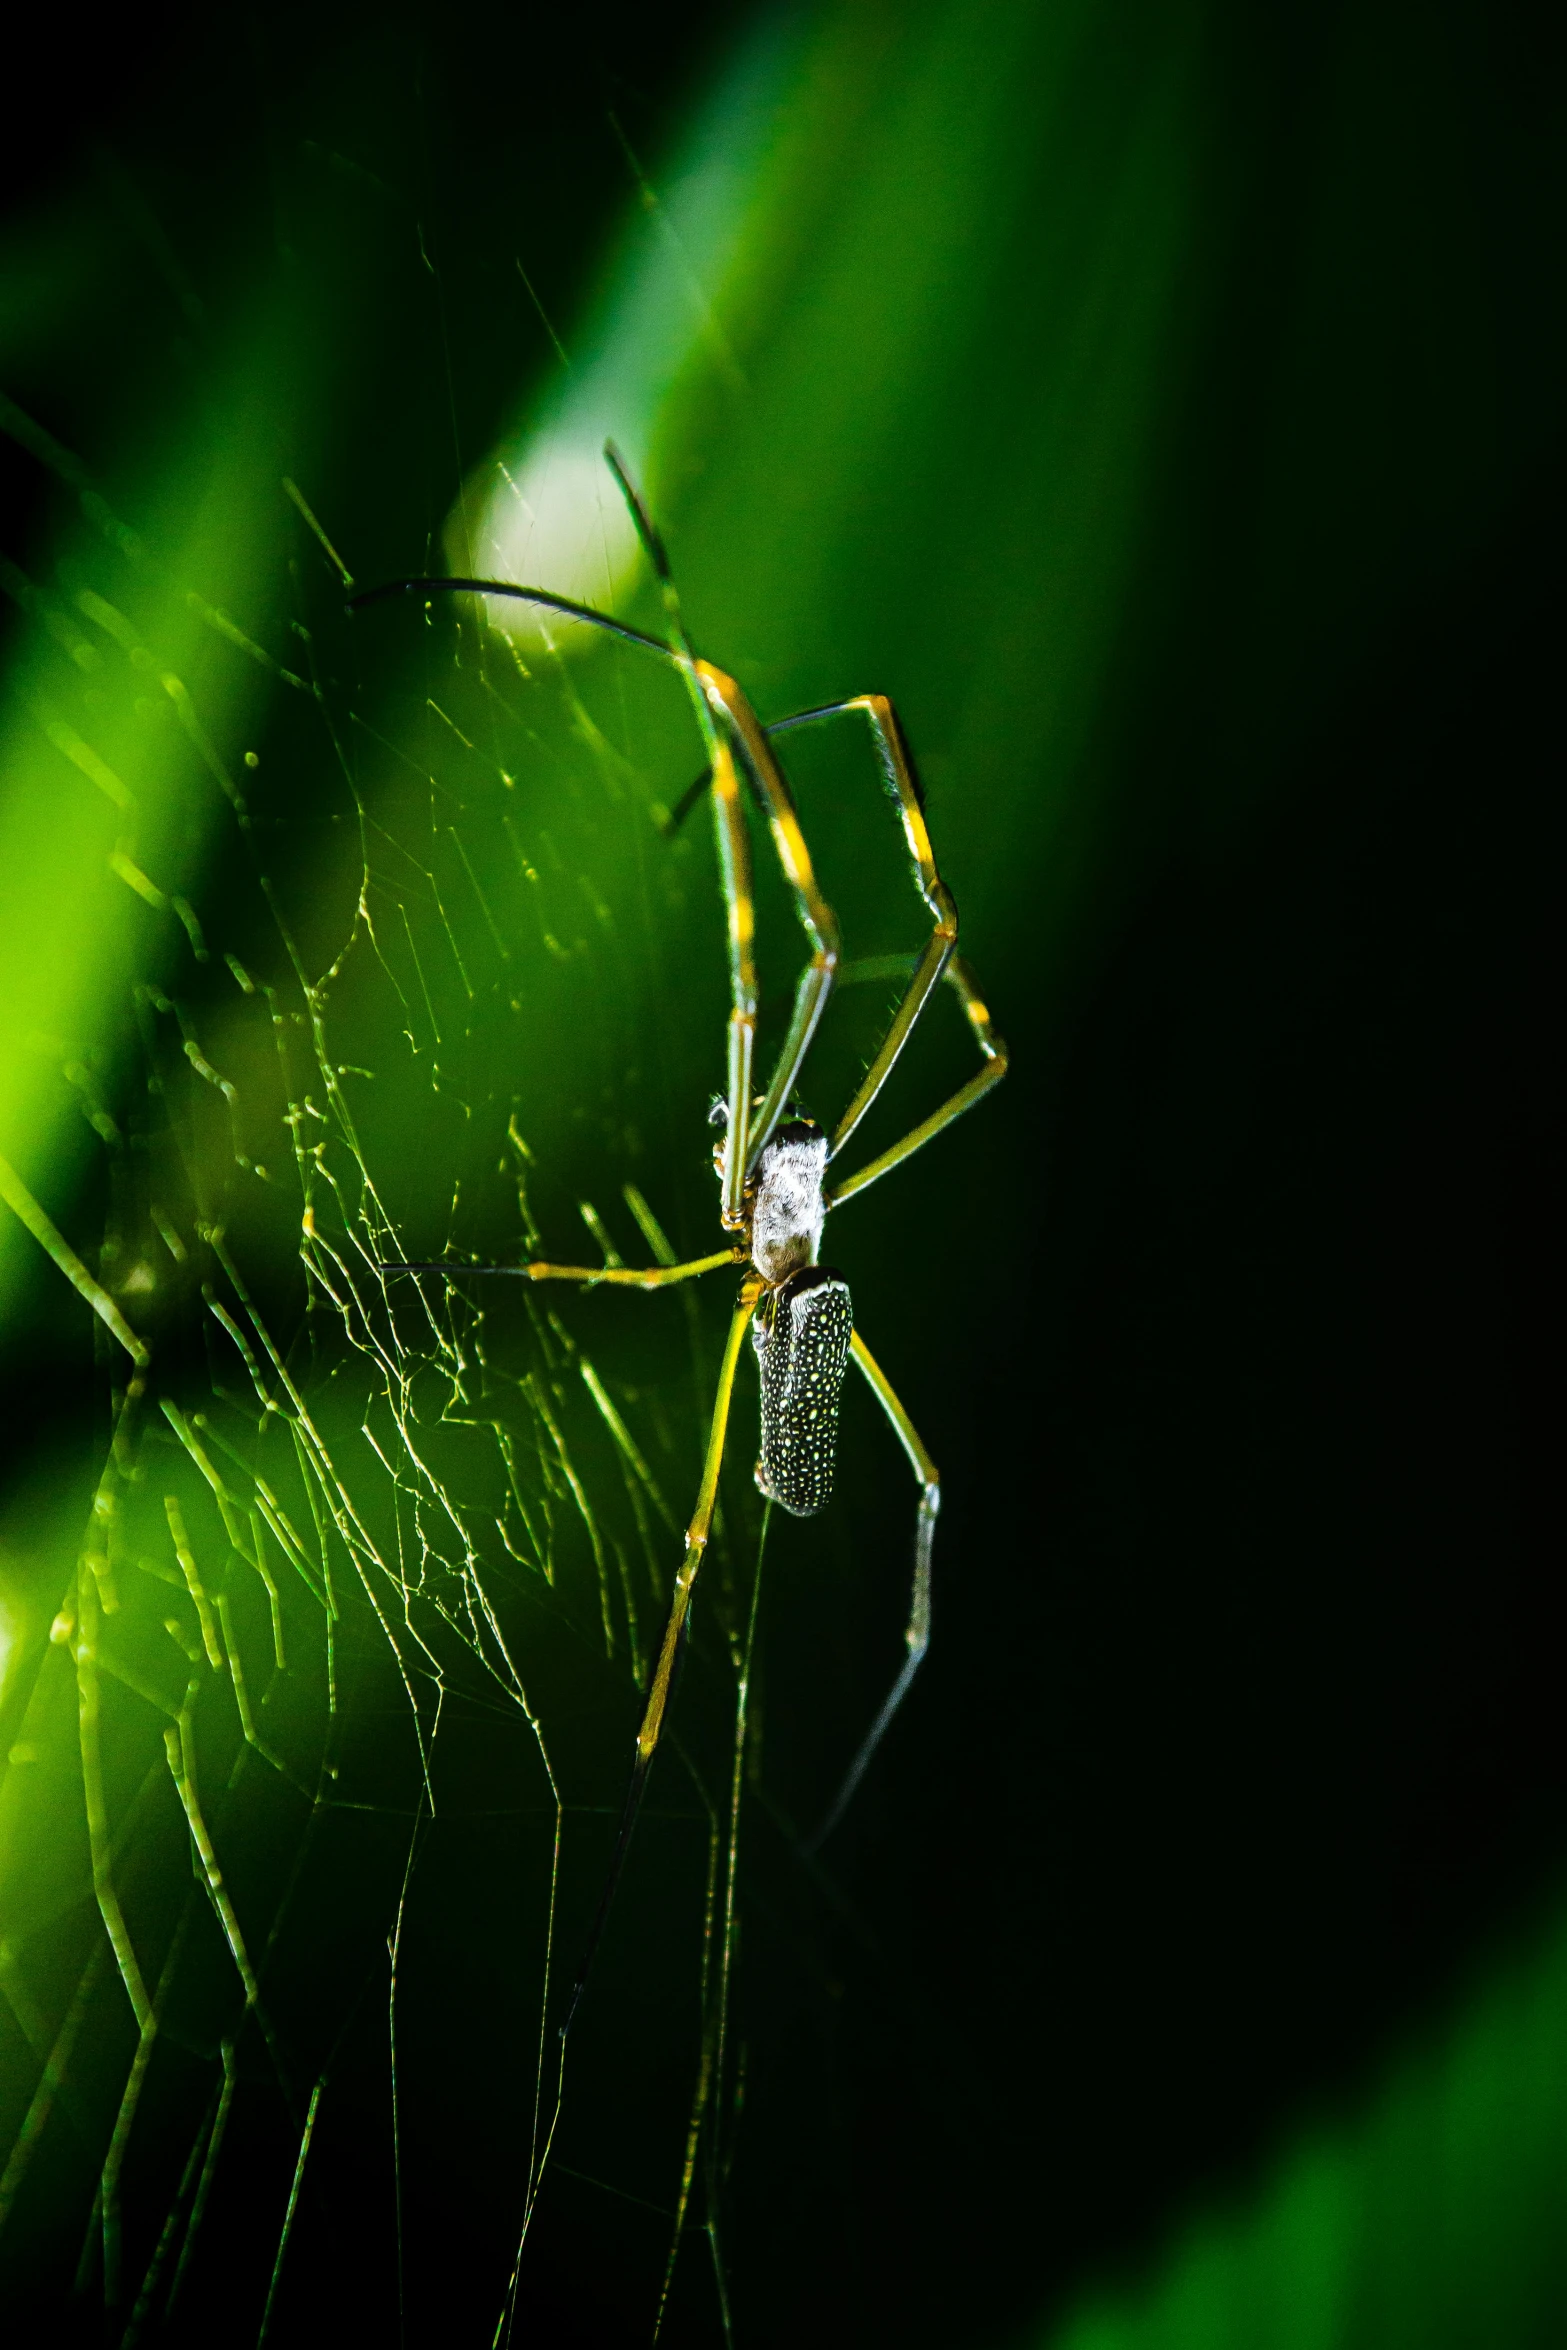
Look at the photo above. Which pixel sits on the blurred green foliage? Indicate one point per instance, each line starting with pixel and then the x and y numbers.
pixel 1157 404
pixel 1425 2216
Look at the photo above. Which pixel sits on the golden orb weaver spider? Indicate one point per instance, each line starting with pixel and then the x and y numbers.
pixel 772 1161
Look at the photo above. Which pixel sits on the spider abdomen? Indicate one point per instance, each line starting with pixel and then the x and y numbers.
pixel 802 1337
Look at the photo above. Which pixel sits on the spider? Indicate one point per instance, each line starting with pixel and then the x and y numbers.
pixel 772 1158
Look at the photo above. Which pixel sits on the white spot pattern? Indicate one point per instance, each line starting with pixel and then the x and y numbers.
pixel 802 1344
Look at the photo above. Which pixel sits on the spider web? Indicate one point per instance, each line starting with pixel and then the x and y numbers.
pixel 325 1672
pixel 315 1775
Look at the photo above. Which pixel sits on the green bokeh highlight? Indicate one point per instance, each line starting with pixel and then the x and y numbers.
pixel 125 728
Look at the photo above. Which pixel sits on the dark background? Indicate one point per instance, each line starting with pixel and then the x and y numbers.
pixel 1239 1748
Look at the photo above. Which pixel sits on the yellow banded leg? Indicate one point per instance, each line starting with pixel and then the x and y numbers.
pixel 739 721
pixel 734 865
pixel 936 962
pixel 916 1634
pixel 634 1276
pixel 898 770
pixel 673 1642
pixel 621 1276
pixel 734 854
pixel 961 979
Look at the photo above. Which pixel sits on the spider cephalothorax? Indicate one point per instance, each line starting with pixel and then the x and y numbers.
pixel 784 1207
pixel 804 1323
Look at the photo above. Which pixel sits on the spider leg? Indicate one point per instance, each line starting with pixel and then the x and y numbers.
pixel 961 979
pixel 734 867
pixel 623 1276
pixel 728 723
pixel 820 924
pixel 734 848
pixel 937 961
pixel 674 1637
pixel 903 786
pixel 917 1631
pixel 634 1276
pixel 734 853
pixel 544 598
